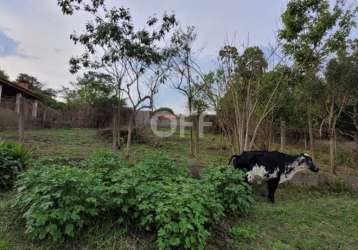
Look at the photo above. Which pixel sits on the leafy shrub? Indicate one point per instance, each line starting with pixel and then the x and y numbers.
pixel 154 195
pixel 13 159
pixel 104 159
pixel 178 209
pixel 103 164
pixel 57 201
pixel 181 211
pixel 230 188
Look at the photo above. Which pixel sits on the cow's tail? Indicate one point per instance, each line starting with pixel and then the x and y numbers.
pixel 232 157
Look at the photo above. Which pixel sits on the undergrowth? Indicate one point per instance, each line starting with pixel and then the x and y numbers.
pixel 58 201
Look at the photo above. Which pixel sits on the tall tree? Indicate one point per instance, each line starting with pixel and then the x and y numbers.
pixel 144 84
pixel 249 96
pixel 32 81
pixel 3 75
pixel 312 30
pixel 352 112
pixel 341 84
pixel 188 79
pixel 90 89
pixel 68 7
pixel 113 46
pixel 47 95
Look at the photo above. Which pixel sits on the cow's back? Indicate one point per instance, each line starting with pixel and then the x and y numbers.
pixel 272 160
pixel 246 160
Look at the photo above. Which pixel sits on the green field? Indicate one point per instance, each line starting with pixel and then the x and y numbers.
pixel 302 218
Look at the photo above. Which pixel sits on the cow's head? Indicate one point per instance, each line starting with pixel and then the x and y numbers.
pixel 307 160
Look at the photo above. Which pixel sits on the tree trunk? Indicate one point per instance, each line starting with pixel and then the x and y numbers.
pixel 118 132
pixel 283 135
pixel 116 140
pixel 270 134
pixel 196 126
pixel 310 129
pixel 332 151
pixel 305 140
pixel 114 131
pixel 129 136
pixel 192 153
pixel 355 121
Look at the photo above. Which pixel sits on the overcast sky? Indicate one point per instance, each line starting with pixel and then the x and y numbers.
pixel 34 35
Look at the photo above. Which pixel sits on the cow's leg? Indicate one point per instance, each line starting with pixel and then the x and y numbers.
pixel 272 185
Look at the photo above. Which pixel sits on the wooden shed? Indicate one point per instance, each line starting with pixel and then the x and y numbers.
pixel 17 91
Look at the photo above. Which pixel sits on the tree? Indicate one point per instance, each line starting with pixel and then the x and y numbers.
pixel 341 84
pixel 188 79
pixel 311 31
pixel 200 105
pixel 164 110
pixel 68 7
pixel 145 80
pixel 248 96
pixel 47 95
pixel 352 112
pixel 3 75
pixel 90 89
pixel 114 47
pixel 32 81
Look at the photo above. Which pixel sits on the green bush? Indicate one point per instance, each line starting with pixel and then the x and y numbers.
pixel 181 211
pixel 57 201
pixel 103 164
pixel 155 195
pixel 230 188
pixel 177 208
pixel 13 159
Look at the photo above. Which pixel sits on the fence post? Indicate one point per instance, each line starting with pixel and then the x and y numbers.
pixel 44 117
pixel 34 108
pixel 0 92
pixel 18 103
pixel 20 116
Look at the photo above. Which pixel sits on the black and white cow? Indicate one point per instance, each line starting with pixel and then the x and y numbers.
pixel 271 167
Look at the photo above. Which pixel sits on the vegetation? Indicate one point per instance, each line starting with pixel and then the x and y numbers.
pixel 47 95
pixel 125 56
pixel 73 192
pixel 13 160
pixel 148 179
pixel 312 32
pixel 188 79
pixel 57 201
pixel 3 75
pixel 264 97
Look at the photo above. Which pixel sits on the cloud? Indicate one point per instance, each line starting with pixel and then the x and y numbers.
pixel 58 50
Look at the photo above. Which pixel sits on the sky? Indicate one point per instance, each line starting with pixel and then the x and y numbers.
pixel 34 34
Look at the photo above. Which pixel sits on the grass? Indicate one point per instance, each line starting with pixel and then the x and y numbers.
pixel 302 218
pixel 71 143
